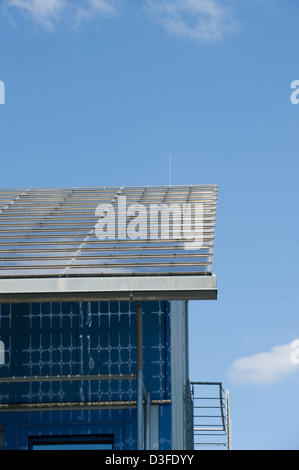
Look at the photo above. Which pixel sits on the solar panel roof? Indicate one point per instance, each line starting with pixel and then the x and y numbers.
pixel 104 232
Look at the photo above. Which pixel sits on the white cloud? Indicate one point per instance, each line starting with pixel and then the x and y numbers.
pixel 266 367
pixel 45 12
pixel 48 13
pixel 92 8
pixel 202 20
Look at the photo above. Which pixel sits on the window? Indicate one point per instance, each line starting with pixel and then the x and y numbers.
pixel 100 442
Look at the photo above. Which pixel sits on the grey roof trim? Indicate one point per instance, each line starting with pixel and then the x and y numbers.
pixel 109 288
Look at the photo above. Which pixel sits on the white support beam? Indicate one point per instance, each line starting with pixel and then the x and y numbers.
pixel 138 288
pixel 179 371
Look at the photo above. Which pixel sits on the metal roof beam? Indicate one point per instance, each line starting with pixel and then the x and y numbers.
pixel 133 288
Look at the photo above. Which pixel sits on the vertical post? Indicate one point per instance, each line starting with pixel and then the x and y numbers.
pixel 140 418
pixel 228 423
pixel 148 421
pixel 2 353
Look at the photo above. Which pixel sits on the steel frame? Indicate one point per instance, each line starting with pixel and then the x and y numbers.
pixel 51 232
pixel 204 424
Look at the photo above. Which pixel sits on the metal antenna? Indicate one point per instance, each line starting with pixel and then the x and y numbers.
pixel 169 170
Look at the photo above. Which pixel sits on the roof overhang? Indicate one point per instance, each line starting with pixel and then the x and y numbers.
pixel 107 243
pixel 142 288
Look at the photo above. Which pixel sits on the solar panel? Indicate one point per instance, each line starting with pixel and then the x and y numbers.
pixel 63 233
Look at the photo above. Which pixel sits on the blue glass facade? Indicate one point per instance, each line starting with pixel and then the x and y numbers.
pixel 82 338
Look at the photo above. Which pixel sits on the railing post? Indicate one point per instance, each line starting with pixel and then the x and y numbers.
pixel 140 418
pixel 148 421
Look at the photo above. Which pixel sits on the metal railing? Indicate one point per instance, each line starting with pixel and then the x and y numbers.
pixel 52 232
pixel 211 416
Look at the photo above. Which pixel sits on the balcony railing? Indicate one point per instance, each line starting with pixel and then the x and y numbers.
pixel 211 416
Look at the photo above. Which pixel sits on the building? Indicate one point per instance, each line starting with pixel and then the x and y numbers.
pixel 94 291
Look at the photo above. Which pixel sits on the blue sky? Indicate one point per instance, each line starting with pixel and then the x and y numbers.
pixel 101 92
